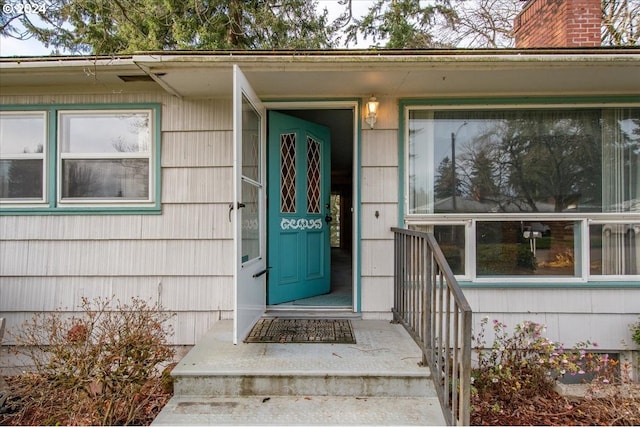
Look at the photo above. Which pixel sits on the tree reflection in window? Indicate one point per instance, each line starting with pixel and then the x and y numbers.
pixel 526 161
pixel 114 164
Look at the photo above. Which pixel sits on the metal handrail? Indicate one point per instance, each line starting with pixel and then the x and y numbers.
pixel 430 304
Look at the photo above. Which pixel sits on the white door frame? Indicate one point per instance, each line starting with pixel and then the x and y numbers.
pixel 354 105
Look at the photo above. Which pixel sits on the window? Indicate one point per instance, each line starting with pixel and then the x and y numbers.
pixel 451 238
pixel 614 249
pixel 251 182
pixel 22 156
pixel 102 160
pixel 527 248
pixel 532 183
pixel 104 155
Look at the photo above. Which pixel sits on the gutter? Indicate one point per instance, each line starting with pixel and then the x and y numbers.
pixel 390 60
pixel 59 61
pixel 339 55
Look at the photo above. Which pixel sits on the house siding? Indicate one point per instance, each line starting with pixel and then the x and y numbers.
pixel 180 258
pixel 379 193
pixel 600 315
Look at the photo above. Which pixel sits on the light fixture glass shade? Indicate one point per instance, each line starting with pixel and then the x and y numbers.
pixel 372 111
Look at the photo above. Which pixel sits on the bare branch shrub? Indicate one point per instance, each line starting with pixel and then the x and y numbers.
pixel 99 368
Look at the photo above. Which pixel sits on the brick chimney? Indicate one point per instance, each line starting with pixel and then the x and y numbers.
pixel 559 23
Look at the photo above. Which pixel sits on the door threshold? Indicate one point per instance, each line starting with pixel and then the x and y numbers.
pixel 310 312
pixel 302 307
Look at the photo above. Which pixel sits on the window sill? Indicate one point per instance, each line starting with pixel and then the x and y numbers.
pixel 78 210
pixel 596 284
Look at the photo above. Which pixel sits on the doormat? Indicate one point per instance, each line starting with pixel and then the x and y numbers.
pixel 318 331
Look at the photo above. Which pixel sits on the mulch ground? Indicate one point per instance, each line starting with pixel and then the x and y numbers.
pixel 156 396
pixel 549 408
pixel 552 409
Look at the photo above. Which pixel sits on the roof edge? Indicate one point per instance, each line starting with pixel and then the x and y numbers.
pixel 105 59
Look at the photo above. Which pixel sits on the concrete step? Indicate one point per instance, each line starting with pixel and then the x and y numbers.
pixel 383 363
pixel 302 410
pixel 377 381
pixel 314 384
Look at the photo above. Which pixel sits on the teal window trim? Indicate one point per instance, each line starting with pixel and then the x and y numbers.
pixel 603 101
pixel 594 284
pixel 474 102
pixel 50 206
pixel 521 100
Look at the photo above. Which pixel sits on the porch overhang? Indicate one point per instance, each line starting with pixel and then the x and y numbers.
pixel 337 74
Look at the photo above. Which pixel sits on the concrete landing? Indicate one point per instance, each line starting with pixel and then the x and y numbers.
pixel 377 381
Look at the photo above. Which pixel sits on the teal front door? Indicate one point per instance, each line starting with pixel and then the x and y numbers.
pixel 299 191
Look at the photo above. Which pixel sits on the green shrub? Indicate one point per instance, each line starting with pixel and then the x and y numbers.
pixel 635 332
pixel 505 258
pixel 525 258
pixel 100 368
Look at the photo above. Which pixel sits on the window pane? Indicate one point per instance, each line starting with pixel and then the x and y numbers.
pixel 614 249
pixel 288 173
pixel 105 132
pixel 22 133
pixel 250 141
pixel 313 175
pixel 112 179
pixel 21 179
pixel 250 222
pixel 513 248
pixel 621 160
pixel 530 160
pixel 451 239
pixel 420 164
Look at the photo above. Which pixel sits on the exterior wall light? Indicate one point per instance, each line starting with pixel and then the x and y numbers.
pixel 372 111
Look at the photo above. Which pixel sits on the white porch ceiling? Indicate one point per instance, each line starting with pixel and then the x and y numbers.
pixel 322 75
pixel 463 77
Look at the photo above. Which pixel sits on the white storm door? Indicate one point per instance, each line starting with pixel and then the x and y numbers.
pixel 249 213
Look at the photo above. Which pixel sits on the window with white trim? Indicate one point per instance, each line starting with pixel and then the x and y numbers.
pixel 527 192
pixel 102 159
pixel 104 156
pixel 23 137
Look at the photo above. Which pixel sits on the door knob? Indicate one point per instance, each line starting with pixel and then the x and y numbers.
pixel 328 219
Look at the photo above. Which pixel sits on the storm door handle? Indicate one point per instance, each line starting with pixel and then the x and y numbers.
pixel 240 205
pixel 260 273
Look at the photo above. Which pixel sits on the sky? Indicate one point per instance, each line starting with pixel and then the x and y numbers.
pixel 31 47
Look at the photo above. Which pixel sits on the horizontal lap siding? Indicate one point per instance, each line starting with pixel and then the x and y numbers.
pixel 38 293
pixel 181 258
pixel 117 258
pixel 197 185
pixel 571 315
pixel 178 221
pixel 379 211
